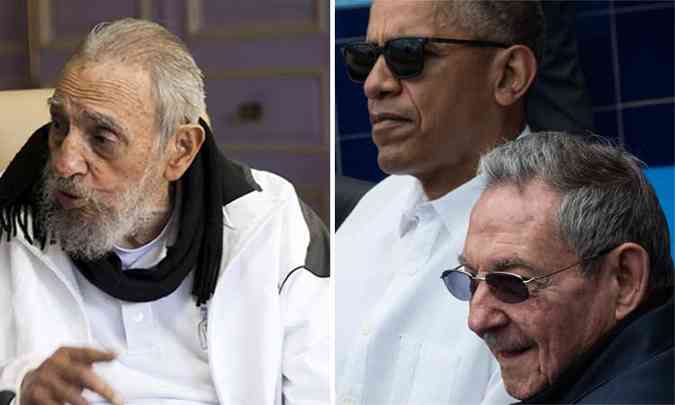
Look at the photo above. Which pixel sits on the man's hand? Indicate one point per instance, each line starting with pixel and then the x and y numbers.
pixel 62 377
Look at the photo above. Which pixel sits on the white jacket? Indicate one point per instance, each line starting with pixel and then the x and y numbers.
pixel 266 345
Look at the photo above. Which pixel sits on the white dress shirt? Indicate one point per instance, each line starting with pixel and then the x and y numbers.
pixel 400 336
pixel 161 358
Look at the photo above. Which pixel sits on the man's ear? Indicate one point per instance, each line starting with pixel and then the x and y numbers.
pixel 515 69
pixel 629 270
pixel 182 149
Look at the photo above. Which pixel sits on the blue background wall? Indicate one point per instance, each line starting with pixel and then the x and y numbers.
pixel 626 52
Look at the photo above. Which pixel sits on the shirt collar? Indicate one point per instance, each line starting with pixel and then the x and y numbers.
pixel 526 131
pixel 455 205
pixel 414 199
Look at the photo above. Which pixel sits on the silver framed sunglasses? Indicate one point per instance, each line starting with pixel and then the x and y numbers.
pixel 508 287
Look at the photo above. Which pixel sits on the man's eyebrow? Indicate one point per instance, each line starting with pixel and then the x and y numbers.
pixel 504 264
pixel 512 262
pixel 55 104
pixel 105 121
pixel 461 259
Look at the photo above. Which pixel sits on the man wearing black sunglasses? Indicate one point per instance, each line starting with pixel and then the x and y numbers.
pixel 445 81
pixel 568 270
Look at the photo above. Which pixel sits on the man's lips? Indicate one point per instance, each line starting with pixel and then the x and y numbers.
pixel 388 128
pixel 387 118
pixel 511 353
pixel 69 201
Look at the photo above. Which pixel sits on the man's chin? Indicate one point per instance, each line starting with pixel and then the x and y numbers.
pixel 82 247
pixel 393 163
pixel 525 386
pixel 80 233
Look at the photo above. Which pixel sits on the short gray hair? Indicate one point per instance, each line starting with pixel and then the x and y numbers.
pixel 606 198
pixel 177 81
pixel 511 22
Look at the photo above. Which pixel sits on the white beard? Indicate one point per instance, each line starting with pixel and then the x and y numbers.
pixel 92 231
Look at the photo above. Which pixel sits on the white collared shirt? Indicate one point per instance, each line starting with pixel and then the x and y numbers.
pixel 400 336
pixel 160 356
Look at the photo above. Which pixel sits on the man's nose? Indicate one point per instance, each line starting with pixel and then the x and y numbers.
pixel 68 154
pixel 381 81
pixel 485 313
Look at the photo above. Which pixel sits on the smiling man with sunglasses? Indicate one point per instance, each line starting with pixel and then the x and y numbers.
pixel 569 275
pixel 445 82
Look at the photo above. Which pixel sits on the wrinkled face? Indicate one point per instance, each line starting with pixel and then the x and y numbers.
pixel 534 340
pixel 104 177
pixel 430 123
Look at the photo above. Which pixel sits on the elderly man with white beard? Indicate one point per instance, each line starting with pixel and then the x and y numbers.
pixel 140 264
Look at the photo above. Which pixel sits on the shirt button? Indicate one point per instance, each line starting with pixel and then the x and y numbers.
pixel 365 330
pixel 138 318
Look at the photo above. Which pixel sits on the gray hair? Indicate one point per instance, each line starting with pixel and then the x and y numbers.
pixel 511 22
pixel 606 198
pixel 177 81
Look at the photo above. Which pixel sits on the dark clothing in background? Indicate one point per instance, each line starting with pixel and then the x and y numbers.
pixel 558 99
pixel 633 366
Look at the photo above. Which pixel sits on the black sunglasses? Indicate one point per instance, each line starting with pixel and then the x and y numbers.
pixel 507 287
pixel 404 56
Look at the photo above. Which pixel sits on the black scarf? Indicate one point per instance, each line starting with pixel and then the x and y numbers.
pixel 209 183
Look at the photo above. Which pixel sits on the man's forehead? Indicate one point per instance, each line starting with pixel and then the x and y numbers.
pixel 530 205
pixel 511 219
pixel 397 18
pixel 105 82
pixel 114 90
